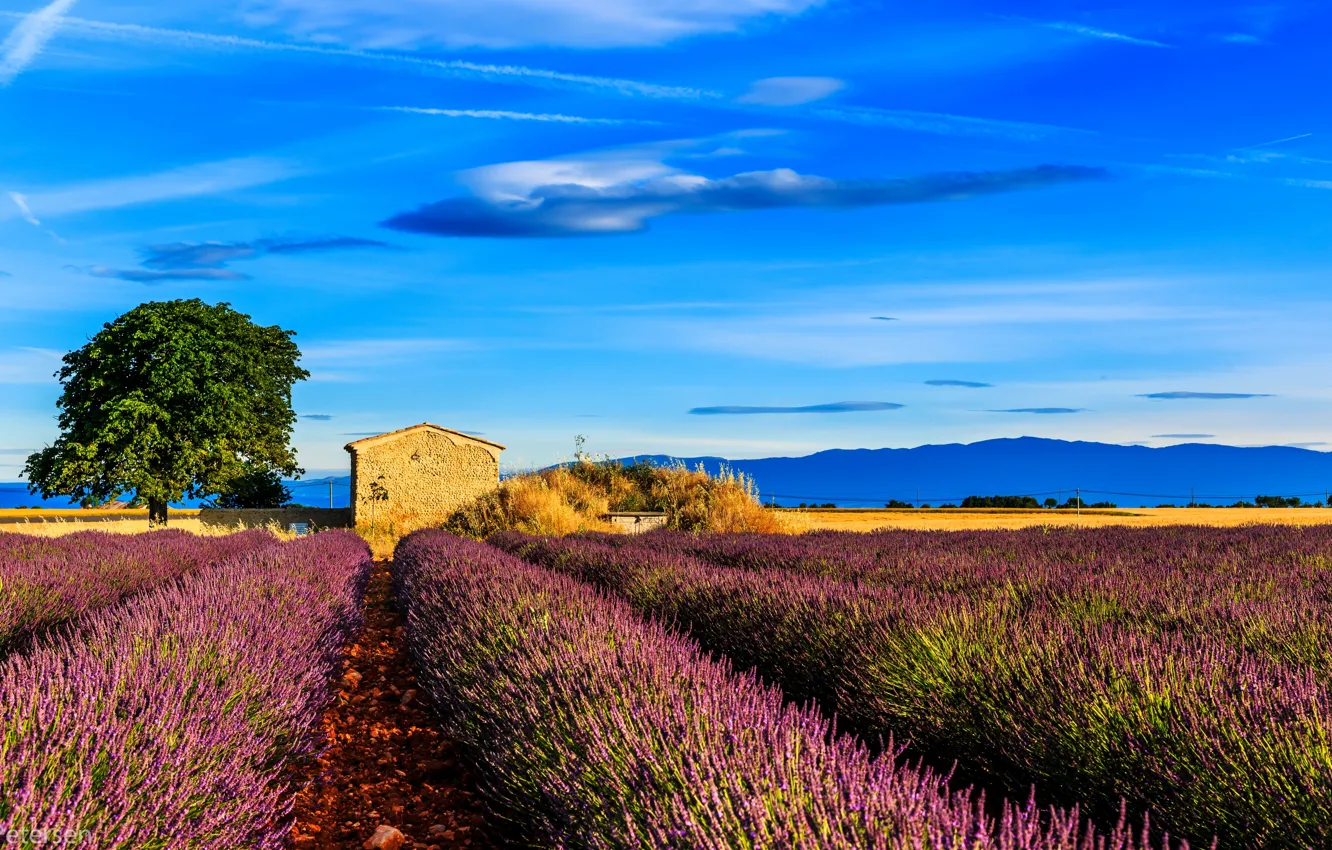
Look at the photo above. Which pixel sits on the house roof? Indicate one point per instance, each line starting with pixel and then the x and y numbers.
pixel 402 432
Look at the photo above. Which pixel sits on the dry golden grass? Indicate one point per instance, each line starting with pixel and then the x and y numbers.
pixel 573 498
pixel 973 520
pixel 43 523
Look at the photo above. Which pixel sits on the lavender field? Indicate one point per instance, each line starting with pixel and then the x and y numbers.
pixel 596 728
pixel 1181 672
pixel 1103 689
pixel 178 715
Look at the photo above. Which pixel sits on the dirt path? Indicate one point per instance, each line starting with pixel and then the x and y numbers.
pixel 388 764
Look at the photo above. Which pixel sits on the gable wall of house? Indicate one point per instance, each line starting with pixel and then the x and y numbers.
pixel 423 474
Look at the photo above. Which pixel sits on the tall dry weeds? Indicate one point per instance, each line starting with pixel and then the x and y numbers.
pixel 572 498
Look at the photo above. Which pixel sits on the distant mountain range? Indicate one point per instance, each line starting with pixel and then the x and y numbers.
pixel 1125 475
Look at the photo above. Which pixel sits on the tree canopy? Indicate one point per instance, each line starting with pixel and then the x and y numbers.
pixel 174 399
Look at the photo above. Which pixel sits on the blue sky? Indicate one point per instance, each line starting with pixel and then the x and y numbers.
pixel 730 227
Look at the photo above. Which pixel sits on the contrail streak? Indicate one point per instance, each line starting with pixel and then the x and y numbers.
pixel 503 114
pixel 450 67
pixel 28 39
pixel 1277 141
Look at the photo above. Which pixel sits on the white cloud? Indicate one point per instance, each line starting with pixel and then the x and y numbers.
pixel 29 38
pixel 791 91
pixel 185 182
pixel 1091 32
pixel 25 211
pixel 620 191
pixel 514 23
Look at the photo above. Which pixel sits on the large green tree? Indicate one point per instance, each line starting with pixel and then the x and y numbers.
pixel 174 399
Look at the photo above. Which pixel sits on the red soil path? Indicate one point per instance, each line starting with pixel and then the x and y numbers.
pixel 388 763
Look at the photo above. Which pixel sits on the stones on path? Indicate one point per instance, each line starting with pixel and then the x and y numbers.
pixel 388 766
pixel 385 838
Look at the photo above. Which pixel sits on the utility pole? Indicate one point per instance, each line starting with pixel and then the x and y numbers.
pixel 1193 500
pixel 917 498
pixel 1079 492
pixel 330 494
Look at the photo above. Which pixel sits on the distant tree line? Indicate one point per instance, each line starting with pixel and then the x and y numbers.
pixel 1262 502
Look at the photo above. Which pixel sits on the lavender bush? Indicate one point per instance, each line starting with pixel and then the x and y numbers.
pixel 48 581
pixel 591 727
pixel 175 720
pixel 1191 692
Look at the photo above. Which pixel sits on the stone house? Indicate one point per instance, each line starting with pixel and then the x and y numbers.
pixel 421 472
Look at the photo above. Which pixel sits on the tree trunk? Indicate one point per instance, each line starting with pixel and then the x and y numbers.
pixel 157 513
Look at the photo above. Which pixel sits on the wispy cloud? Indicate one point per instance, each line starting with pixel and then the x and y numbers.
pixel 5 274
pixel 207 261
pixel 189 181
pixel 835 407
pixel 1242 38
pixel 791 91
pixel 606 195
pixel 885 319
pixel 152 276
pixel 317 417
pixel 1042 411
pixel 1308 445
pixel 505 115
pixel 25 211
pixel 211 255
pixel 453 68
pixel 29 38
pixel 1177 395
pixel 377 350
pixel 1092 32
pixel 951 383
pixel 944 124
pixel 1183 436
pixel 516 23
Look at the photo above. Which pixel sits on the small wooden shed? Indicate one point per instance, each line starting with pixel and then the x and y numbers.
pixel 421 472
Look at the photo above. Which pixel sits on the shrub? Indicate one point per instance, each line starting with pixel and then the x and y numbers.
pixel 575 497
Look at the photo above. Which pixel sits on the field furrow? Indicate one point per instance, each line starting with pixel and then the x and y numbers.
pixel 591 727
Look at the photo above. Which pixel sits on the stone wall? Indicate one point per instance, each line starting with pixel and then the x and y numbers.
pixel 636 523
pixel 317 518
pixel 425 473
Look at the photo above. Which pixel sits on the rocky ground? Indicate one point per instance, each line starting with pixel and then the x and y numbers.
pixel 390 779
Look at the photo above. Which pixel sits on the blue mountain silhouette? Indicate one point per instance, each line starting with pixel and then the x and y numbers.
pixel 1126 475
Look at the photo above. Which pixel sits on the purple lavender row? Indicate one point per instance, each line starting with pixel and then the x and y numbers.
pixel 590 727
pixel 177 719
pixel 1210 738
pixel 1271 557
pixel 48 581
pixel 1266 589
